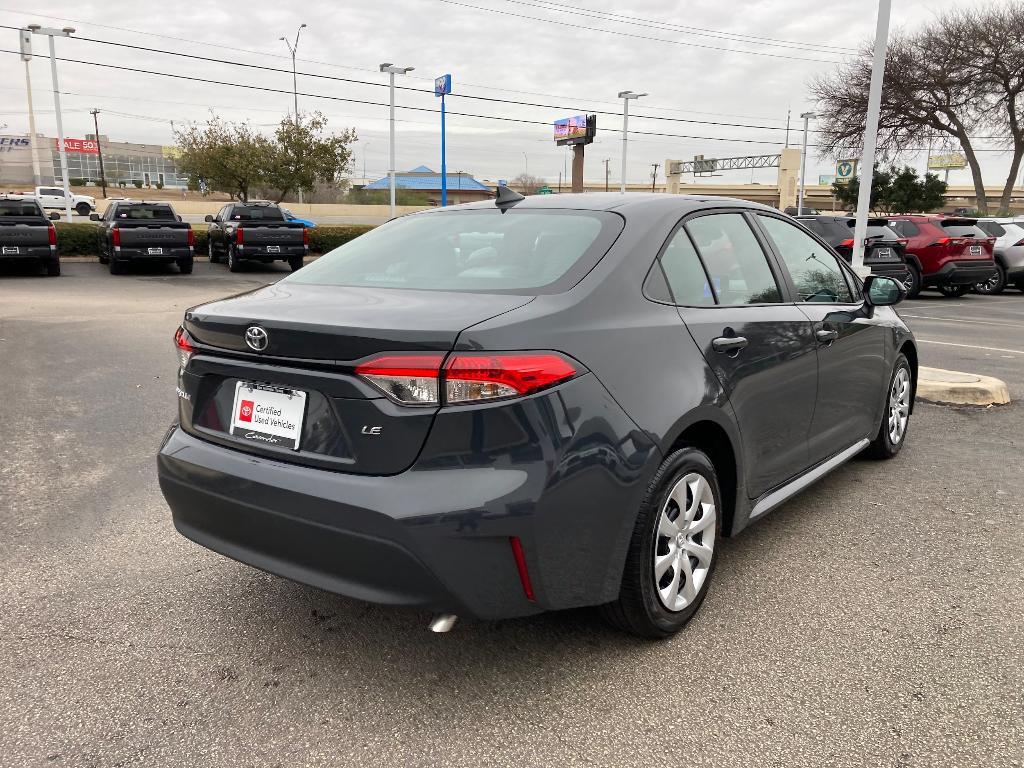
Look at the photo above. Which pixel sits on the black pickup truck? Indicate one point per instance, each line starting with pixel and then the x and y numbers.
pixel 256 232
pixel 26 233
pixel 132 230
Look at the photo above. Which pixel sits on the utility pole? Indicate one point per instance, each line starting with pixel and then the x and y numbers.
pixel 99 150
pixel 293 49
pixel 806 116
pixel 392 70
pixel 625 96
pixel 25 39
pixel 654 175
pixel 36 29
pixel 788 112
pixel 606 161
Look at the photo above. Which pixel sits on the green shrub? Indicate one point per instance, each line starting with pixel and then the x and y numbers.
pixel 76 182
pixel 77 239
pixel 159 185
pixel 324 239
pixel 138 184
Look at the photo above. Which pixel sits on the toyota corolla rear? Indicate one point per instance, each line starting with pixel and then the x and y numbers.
pixel 345 428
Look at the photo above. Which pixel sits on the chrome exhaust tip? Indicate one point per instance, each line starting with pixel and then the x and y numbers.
pixel 443 622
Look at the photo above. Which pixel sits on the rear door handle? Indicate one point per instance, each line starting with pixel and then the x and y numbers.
pixel 729 343
pixel 826 336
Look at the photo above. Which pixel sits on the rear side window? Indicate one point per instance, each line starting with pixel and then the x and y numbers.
pixel 482 250
pixel 256 213
pixel 686 277
pixel 736 264
pixel 904 228
pixel 19 208
pixel 992 228
pixel 815 270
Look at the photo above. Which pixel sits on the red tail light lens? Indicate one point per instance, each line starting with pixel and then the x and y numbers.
pixel 239 236
pixel 903 241
pixel 115 236
pixel 52 235
pixel 846 243
pixel 1019 242
pixel 524 573
pixel 191 238
pixel 475 377
pixel 305 237
pixel 183 343
pixel 407 379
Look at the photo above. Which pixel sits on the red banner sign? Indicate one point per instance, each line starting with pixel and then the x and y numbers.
pixel 79 145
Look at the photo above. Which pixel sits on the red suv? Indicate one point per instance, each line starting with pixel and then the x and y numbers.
pixel 951 254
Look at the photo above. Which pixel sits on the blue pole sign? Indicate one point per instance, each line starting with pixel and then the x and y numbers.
pixel 443 86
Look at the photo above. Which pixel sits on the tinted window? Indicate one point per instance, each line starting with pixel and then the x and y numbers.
pixel 815 271
pixel 737 266
pixel 961 229
pixel 19 208
pixel 992 228
pixel 57 192
pixel 256 213
pixel 144 212
pixel 483 250
pixel 904 228
pixel 685 275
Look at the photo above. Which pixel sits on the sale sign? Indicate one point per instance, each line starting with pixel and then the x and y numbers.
pixel 86 146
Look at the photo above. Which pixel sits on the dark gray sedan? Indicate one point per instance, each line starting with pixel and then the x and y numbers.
pixel 509 407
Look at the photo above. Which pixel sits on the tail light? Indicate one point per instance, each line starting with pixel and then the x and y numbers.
pixel 1019 242
pixel 115 237
pixel 239 236
pixel 524 573
pixel 846 243
pixel 183 343
pixel 305 237
pixel 191 238
pixel 903 241
pixel 51 234
pixel 467 377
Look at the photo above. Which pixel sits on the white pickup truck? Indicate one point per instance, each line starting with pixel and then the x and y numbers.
pixel 53 197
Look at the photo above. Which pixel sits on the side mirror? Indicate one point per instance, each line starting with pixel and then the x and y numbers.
pixel 54 216
pixel 94 217
pixel 208 218
pixel 882 291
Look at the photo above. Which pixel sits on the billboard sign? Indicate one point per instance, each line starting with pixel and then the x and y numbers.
pixel 578 129
pixel 825 179
pixel 85 146
pixel 948 162
pixel 845 171
pixel 442 85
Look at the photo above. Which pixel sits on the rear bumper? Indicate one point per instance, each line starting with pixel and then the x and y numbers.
pixel 261 252
pixel 897 271
pixel 142 253
pixel 962 273
pixel 438 535
pixel 32 253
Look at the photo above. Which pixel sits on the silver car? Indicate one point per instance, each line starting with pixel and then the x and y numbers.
pixel 1009 254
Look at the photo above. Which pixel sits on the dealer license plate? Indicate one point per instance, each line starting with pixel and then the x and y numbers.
pixel 975 250
pixel 273 249
pixel 11 249
pixel 883 253
pixel 268 415
pixel 155 251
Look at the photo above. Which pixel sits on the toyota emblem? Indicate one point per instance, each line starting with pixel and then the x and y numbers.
pixel 256 338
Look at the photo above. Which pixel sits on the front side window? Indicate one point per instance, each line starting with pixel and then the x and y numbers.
pixel 737 266
pixel 686 277
pixel 483 250
pixel 815 270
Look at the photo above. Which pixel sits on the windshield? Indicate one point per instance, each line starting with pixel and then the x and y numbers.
pixel 480 250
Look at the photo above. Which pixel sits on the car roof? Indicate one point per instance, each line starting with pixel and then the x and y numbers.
pixel 632 203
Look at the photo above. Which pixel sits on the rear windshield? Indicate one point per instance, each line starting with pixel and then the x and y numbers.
pixel 480 250
pixel 829 230
pixel 256 213
pixel 145 212
pixel 19 208
pixel 962 229
pixel 877 228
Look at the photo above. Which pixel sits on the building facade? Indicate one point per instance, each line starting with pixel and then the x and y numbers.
pixel 125 164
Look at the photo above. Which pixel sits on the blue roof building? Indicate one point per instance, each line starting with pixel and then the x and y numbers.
pixel 462 187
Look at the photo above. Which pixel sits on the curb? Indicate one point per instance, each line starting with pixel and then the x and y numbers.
pixel 936 385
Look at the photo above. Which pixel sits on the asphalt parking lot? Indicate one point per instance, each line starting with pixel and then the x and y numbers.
pixel 873 620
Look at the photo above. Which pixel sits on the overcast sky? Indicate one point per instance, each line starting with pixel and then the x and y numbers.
pixel 693 58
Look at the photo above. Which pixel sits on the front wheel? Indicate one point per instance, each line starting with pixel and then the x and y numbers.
pixel 234 265
pixel 672 552
pixel 995 284
pixel 892 432
pixel 954 291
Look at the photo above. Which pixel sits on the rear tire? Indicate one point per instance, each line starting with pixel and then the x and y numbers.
pixel 234 265
pixel 994 285
pixel 295 262
pixel 1020 285
pixel 954 291
pixel 892 432
pixel 214 258
pixel 657 605
pixel 83 209
pixel 53 268
pixel 913 282
pixel 185 265
pixel 116 267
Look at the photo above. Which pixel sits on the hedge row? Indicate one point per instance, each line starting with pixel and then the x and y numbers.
pixel 82 239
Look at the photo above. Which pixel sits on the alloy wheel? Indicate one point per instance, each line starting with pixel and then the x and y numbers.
pixel 684 541
pixel 899 405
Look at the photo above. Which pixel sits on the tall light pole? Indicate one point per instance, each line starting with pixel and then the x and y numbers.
pixel 806 117
pixel 526 165
pixel 366 146
pixel 625 96
pixel 867 158
pixel 293 49
pixel 25 40
pixel 51 32
pixel 392 70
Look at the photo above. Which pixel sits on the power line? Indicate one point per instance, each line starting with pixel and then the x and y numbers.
pixel 638 36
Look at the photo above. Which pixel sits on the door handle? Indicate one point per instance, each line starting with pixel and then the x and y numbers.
pixel 826 336
pixel 729 343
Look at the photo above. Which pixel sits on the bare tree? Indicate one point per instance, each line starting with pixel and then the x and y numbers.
pixel 959 74
pixel 526 183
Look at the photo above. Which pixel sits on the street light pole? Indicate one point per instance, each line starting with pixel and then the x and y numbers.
pixel 806 116
pixel 867 158
pixel 625 96
pixel 293 49
pixel 99 150
pixel 25 39
pixel 50 32
pixel 526 165
pixel 392 70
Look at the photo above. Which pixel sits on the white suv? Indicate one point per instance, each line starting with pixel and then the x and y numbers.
pixel 1009 254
